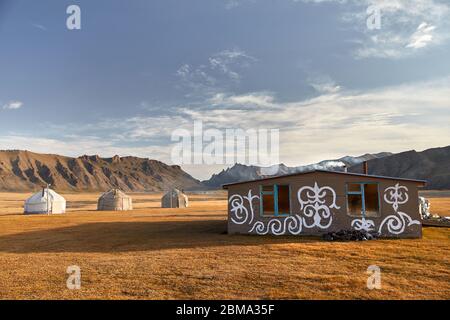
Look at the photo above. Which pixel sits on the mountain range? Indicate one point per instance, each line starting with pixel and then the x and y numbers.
pixel 241 172
pixel 25 171
pixel 432 165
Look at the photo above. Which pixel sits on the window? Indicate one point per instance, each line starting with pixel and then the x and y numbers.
pixel 268 204
pixel 354 204
pixel 363 200
pixel 275 200
pixel 283 200
pixel 371 204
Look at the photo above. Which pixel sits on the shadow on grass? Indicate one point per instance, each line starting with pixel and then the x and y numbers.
pixel 106 237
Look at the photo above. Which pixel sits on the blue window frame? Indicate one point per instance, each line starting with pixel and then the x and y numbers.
pixel 275 200
pixel 363 199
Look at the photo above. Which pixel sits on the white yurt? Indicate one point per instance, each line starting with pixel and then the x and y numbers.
pixel 174 199
pixel 114 200
pixel 45 201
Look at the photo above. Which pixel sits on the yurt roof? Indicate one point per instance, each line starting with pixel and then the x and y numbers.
pixel 114 193
pixel 39 197
pixel 174 190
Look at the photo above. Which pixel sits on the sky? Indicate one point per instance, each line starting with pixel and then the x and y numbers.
pixel 136 71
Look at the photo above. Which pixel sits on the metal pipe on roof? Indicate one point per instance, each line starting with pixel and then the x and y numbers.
pixel 365 167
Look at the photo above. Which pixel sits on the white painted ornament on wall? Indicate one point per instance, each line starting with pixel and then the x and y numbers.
pixel 316 210
pixel 279 226
pixel 315 205
pixel 396 196
pixel 398 222
pixel 363 224
pixel 240 213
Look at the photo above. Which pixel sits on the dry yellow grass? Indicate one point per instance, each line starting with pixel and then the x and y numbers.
pixel 440 206
pixel 153 253
pixel 440 202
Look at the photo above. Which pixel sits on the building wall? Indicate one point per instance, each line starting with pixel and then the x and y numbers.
pixel 318 205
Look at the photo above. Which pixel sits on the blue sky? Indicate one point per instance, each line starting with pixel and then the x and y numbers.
pixel 137 70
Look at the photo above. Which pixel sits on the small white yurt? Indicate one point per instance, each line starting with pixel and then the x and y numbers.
pixel 114 200
pixel 174 199
pixel 46 201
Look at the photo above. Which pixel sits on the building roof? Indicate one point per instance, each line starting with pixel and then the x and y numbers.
pixel 422 182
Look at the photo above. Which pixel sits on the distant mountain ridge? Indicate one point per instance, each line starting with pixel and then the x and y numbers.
pixel 25 171
pixel 432 165
pixel 240 172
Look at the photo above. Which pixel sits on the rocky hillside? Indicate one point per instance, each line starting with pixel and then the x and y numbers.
pixel 25 171
pixel 432 165
pixel 241 172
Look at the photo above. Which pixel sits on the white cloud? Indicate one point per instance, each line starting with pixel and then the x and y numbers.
pixel 225 60
pixel 184 71
pixel 77 145
pixel 221 70
pixel 13 105
pixel 231 4
pixel 39 26
pixel 399 36
pixel 422 37
pixel 392 119
pixel 324 84
pixel 321 1
pixel 257 99
pixel 387 119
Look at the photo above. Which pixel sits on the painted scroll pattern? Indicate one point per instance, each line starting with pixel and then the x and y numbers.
pixel 240 213
pixel 315 206
pixel 280 226
pixel 396 196
pixel 363 224
pixel 398 222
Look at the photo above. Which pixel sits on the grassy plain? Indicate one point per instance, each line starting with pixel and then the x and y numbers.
pixel 154 253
